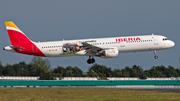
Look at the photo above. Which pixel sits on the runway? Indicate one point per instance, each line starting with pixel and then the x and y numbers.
pixel 170 90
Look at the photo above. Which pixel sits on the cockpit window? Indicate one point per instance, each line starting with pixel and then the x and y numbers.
pixel 164 39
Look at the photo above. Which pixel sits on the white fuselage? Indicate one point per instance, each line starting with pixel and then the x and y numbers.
pixel 122 44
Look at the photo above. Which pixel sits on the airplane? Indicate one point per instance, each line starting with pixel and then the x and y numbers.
pixel 96 47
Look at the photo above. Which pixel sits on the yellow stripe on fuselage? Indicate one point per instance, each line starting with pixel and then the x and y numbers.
pixel 11 24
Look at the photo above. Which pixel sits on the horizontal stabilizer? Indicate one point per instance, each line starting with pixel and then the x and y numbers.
pixel 11 48
pixel 15 47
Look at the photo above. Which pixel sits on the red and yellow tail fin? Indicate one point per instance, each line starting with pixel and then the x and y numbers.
pixel 11 24
pixel 16 36
pixel 20 42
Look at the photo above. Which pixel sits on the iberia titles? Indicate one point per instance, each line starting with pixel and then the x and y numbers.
pixel 127 39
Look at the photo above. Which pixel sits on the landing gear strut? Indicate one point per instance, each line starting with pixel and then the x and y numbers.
pixel 155 54
pixel 90 60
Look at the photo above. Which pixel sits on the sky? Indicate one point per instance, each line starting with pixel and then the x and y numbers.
pixel 55 20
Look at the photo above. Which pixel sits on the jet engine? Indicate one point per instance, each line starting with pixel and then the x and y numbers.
pixel 110 53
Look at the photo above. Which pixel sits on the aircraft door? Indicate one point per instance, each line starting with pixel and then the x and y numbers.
pixel 122 44
pixel 155 40
pixel 34 49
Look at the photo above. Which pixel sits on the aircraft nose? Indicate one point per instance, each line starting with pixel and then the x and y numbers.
pixel 172 43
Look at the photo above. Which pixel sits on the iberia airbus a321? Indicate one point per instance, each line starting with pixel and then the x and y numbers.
pixel 99 47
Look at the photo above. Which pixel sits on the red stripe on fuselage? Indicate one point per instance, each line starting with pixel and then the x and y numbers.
pixel 18 39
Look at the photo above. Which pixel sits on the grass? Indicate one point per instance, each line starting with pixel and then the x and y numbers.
pixel 83 94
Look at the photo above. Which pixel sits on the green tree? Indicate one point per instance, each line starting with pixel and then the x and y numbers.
pixel 155 73
pixel 137 71
pixel 178 71
pixel 47 76
pixel 91 73
pixel 1 69
pixel 142 76
pixel 127 72
pixel 101 70
pixel 9 70
pixel 161 69
pixel 77 72
pixel 25 68
pixel 59 71
pixel 39 66
pixel 17 69
pixel 146 72
pixel 117 73
pixel 68 72
pixel 171 72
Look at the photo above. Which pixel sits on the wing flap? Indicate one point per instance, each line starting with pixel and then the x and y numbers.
pixel 91 49
pixel 89 46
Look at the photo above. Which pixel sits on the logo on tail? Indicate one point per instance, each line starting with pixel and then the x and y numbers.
pixel 16 36
pixel 20 42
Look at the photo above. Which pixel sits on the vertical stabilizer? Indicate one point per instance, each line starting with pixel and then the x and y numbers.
pixel 16 36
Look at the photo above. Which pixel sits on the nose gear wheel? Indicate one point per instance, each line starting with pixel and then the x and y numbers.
pixel 156 57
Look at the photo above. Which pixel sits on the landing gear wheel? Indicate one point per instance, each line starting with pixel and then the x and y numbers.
pixel 156 57
pixel 155 54
pixel 90 60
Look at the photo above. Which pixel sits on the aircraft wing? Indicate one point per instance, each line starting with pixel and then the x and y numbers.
pixel 91 49
pixel 89 46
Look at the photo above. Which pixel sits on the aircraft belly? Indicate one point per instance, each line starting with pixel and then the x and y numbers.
pixel 138 48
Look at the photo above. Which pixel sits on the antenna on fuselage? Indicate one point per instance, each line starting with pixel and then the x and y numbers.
pixel 152 34
pixel 63 40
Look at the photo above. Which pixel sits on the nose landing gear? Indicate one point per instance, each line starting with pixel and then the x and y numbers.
pixel 156 57
pixel 90 60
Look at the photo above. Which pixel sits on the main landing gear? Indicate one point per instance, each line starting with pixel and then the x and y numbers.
pixel 155 54
pixel 90 60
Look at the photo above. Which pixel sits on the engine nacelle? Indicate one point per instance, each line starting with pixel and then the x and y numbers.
pixel 110 53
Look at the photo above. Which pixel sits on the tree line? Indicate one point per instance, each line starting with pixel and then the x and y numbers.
pixel 41 67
